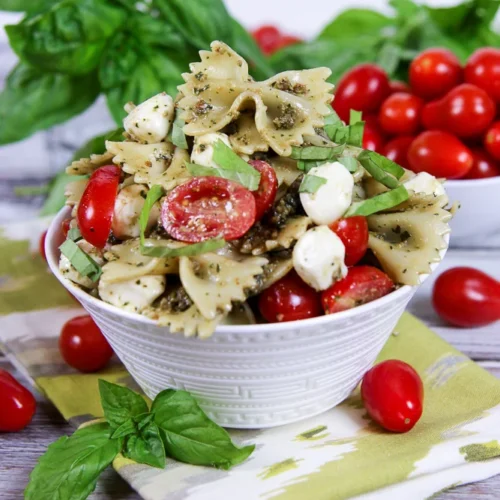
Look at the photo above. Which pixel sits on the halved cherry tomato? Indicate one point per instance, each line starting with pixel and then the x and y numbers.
pixel 363 88
pixel 440 154
pixel 208 207
pixel 397 150
pixel 467 297
pixel 17 404
pixel 393 394
pixel 361 285
pixel 372 139
pixel 483 69
pixel 41 245
pixel 95 210
pixel 265 195
pixel 398 86
pixel 289 299
pixel 492 140
pixel 83 346
pixel 400 114
pixel 484 166
pixel 268 38
pixel 434 72
pixel 65 227
pixel 353 231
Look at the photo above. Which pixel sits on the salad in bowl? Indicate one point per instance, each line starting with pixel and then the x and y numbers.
pixel 238 199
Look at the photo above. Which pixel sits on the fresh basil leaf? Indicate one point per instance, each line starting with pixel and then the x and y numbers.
pixel 332 124
pixel 81 261
pixel 231 166
pixel 120 403
pixel 200 22
pixel 146 447
pixel 190 436
pixel 156 249
pixel 176 135
pixel 307 165
pixel 389 56
pixel 155 30
pixel 350 163
pixel 23 191
pixel 33 100
pixel 24 5
pixel 128 427
pixel 154 194
pixel 241 178
pixel 74 234
pixel 383 163
pixel 68 37
pixel 311 183
pixel 355 117
pixel 316 152
pixel 70 467
pixel 378 203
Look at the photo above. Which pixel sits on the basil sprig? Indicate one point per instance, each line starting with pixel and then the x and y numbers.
pixel 175 427
pixel 80 260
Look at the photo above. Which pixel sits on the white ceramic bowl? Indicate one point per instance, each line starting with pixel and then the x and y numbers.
pixel 477 223
pixel 249 376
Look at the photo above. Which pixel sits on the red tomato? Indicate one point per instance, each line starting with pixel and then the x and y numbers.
pixel 465 111
pixel 353 232
pixel 287 40
pixel 492 140
pixel 208 207
pixel 65 226
pixel 397 150
pixel 393 395
pixel 361 285
pixel 95 210
pixel 265 195
pixel 41 245
pixel 484 166
pixel 440 154
pixel 17 403
pixel 398 86
pixel 434 72
pixel 400 113
pixel 268 38
pixel 363 89
pixel 289 299
pixel 483 69
pixel 83 346
pixel 467 297
pixel 372 139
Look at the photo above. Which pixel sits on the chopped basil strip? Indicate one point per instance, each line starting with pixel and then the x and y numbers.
pixel 383 163
pixel 176 135
pixel 317 153
pixel 376 171
pixel 242 178
pixel 81 261
pixel 74 234
pixel 311 183
pixel 154 194
pixel 378 203
pixel 355 117
pixel 332 124
pixel 231 166
pixel 306 165
pixel 340 133
pixel 349 162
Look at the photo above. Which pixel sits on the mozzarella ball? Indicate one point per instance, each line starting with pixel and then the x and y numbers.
pixel 203 149
pixel 426 184
pixel 150 121
pixel 133 295
pixel 331 200
pixel 318 257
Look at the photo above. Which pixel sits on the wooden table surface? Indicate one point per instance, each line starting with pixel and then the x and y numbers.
pixel 19 452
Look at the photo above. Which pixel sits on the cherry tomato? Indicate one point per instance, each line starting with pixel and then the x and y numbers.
pixel 434 72
pixel 492 140
pixel 398 86
pixel 287 40
pixel 41 245
pixel 362 284
pixel 372 139
pixel 17 403
pixel 363 89
pixel 483 69
pixel 65 227
pixel 289 299
pixel 265 195
pixel 393 394
pixel 268 38
pixel 353 232
pixel 83 346
pixel 400 113
pixel 95 210
pixel 467 297
pixel 484 165
pixel 208 207
pixel 440 154
pixel 397 150
pixel 465 111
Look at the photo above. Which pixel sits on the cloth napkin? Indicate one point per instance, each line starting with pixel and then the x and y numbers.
pixel 338 454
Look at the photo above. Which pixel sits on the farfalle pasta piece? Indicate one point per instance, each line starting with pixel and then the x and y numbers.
pixel 146 162
pixel 285 107
pixel 408 239
pixel 74 191
pixel 277 267
pixel 286 170
pixel 177 173
pixel 214 282
pixel 86 166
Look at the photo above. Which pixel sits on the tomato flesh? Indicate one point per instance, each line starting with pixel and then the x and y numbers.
pixel 95 210
pixel 17 404
pixel 208 207
pixel 289 299
pixel 398 86
pixel 362 284
pixel 65 227
pixel 467 297
pixel 83 346
pixel 41 245
pixel 268 186
pixel 484 166
pixel 483 69
pixel 397 150
pixel 373 140
pixel 492 140
pixel 400 113
pixel 353 232
pixel 393 395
